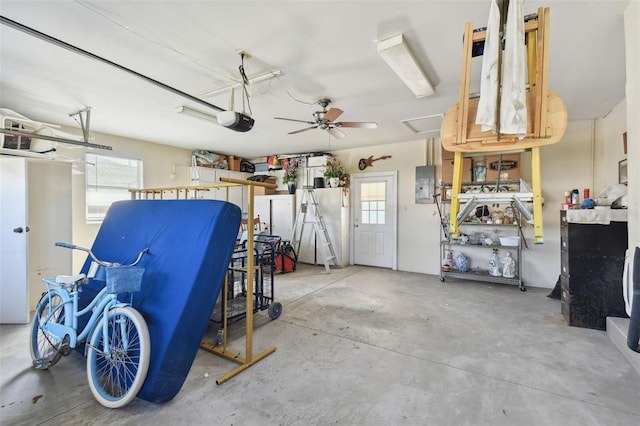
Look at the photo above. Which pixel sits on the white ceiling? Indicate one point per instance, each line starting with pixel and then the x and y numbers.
pixel 322 48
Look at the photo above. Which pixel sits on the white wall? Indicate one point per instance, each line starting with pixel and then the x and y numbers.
pixel 587 157
pixel 418 224
pixel 160 162
pixel 609 146
pixel 632 59
pixel 564 166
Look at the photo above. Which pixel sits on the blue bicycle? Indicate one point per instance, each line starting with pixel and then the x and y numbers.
pixel 118 345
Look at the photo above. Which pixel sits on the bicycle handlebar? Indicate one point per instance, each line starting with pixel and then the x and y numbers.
pixel 65 245
pixel 98 261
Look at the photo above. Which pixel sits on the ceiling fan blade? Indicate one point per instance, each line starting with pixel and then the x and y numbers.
pixel 359 124
pixel 332 114
pixel 293 119
pixel 303 130
pixel 336 133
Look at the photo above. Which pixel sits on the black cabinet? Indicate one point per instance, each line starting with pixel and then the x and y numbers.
pixel 592 261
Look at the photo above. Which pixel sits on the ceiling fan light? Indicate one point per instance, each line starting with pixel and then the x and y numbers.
pixel 398 56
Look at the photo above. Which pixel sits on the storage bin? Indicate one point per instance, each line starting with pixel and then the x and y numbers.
pixel 513 241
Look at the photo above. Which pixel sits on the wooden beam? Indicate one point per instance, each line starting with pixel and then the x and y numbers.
pixel 465 84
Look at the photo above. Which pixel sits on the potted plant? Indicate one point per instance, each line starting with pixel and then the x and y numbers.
pixel 333 170
pixel 291 174
pixel 344 180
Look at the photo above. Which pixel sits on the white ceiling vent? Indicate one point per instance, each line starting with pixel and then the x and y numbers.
pixel 426 124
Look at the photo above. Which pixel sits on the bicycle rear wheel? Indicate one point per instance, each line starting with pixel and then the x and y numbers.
pixel 116 379
pixel 45 348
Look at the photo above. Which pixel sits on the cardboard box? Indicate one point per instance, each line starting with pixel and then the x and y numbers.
pixel 261 190
pixel 447 170
pixel 234 163
pixel 447 155
pixel 510 168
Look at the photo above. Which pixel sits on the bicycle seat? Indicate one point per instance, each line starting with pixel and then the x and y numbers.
pixel 69 279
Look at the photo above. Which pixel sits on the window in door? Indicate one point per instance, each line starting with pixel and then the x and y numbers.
pixel 109 179
pixel 373 197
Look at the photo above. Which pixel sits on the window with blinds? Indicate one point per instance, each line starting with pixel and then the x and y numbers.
pixel 109 179
pixel 373 198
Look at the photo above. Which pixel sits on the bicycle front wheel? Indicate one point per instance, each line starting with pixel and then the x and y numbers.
pixel 115 378
pixel 45 347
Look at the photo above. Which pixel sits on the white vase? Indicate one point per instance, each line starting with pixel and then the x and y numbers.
pixel 333 182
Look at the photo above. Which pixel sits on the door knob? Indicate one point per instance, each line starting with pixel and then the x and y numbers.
pixel 18 230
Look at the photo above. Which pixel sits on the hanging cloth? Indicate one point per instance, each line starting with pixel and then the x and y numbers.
pixel 513 102
pixel 487 105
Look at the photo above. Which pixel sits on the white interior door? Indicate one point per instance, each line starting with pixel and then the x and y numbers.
pixel 49 217
pixel 14 293
pixel 374 219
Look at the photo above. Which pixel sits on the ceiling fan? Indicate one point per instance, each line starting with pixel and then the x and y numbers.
pixel 325 120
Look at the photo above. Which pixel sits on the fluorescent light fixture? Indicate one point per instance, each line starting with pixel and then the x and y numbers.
pixel 257 79
pixel 398 56
pixel 196 113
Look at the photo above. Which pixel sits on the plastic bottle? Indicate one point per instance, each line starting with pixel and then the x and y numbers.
pixel 586 193
pixel 575 196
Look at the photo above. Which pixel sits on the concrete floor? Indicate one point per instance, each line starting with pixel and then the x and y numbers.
pixel 366 346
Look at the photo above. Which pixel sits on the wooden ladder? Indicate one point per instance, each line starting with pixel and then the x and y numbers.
pixel 546 121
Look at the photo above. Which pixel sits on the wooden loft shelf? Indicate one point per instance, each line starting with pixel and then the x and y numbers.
pixel 547 113
pixel 546 117
pixel 478 141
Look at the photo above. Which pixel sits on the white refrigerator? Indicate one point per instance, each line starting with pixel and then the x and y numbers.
pixel 277 213
pixel 334 207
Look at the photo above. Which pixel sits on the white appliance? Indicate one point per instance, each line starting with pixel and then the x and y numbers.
pixel 277 213
pixel 336 216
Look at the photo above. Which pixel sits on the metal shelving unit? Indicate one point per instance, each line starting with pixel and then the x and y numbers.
pixel 478 273
pixel 477 244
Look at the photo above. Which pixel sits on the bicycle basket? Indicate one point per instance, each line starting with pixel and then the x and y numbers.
pixel 124 279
